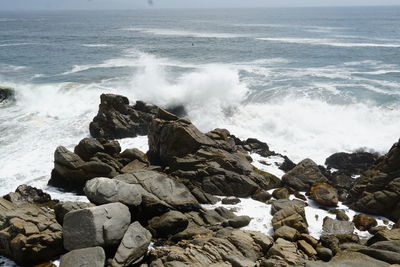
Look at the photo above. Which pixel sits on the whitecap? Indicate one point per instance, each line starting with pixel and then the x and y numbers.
pixel 185 33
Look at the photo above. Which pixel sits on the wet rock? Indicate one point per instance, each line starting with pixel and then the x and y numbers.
pixel 324 194
pixel 336 227
pixel 364 222
pixel 324 254
pixel 87 148
pixel 93 257
pixel 230 201
pixel 261 195
pixel 281 193
pixel 28 194
pixel 305 174
pixel 351 163
pixel 29 234
pixel 133 247
pixel 287 233
pixel 7 95
pixel 96 226
pixel 167 224
pixel 341 181
pixel 117 119
pixel 105 190
pixel 64 207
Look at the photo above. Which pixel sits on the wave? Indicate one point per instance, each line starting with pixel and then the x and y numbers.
pixel 9 68
pixel 97 45
pixel 327 42
pixel 16 44
pixel 184 33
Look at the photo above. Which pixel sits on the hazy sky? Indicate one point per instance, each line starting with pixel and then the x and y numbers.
pixel 132 4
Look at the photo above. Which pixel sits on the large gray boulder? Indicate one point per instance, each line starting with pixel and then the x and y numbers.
pixel 85 257
pixel 304 175
pixel 335 227
pixel 133 247
pixel 97 226
pixel 64 207
pixel 105 190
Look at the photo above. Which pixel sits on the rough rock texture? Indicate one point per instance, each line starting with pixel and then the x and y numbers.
pixel 349 259
pixel 336 227
pixel 64 207
pixel 29 194
pixel 210 162
pixel 292 216
pixel 324 194
pixel 160 193
pixel 351 163
pixel 378 190
pixel 287 233
pixel 117 119
pixel 133 247
pixel 86 257
pixel 364 222
pixel 385 235
pixel 29 234
pixel 228 250
pixel 105 190
pixel 304 175
pixel 169 223
pixel 97 226
pixel 286 251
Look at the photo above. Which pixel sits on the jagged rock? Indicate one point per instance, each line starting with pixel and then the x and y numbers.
pixel 133 247
pixel 305 174
pixel 203 197
pixel 307 248
pixel 336 227
pixel 287 233
pixel 160 193
pixel 64 207
pixel 28 194
pixel 86 257
pixel 341 181
pixel 281 193
pixel 390 163
pixel 105 190
pixel 280 204
pixel 134 154
pixel 349 259
pixel 240 246
pixel 364 222
pixel 262 196
pixel 96 226
pixel 335 242
pixel 169 223
pixel 230 201
pixel 116 119
pixel 287 251
pixel 324 194
pixel 353 163
pixel 210 164
pixel 385 235
pixel 87 148
pixel 292 216
pixel 29 234
pixel 71 172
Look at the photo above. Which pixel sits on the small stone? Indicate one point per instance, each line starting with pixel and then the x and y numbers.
pixel 230 201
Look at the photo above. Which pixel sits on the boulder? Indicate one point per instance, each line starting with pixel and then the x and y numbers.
pixel 85 257
pixel 280 204
pixel 103 225
pixel 340 215
pixel 351 163
pixel 287 233
pixel 28 194
pixel 167 224
pixel 133 247
pixel 87 148
pixel 281 193
pixel 307 248
pixel 383 255
pixel 230 201
pixel 261 195
pixel 305 174
pixel 292 216
pixel 324 254
pixel 117 119
pixel 385 235
pixel 29 234
pixel 349 259
pixel 364 222
pixel 287 251
pixel 336 227
pixel 105 190
pixel 211 164
pixel 64 207
pixel 324 194
pixel 238 221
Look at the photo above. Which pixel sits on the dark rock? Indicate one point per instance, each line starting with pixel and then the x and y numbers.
pixel 116 119
pixel 261 195
pixel 63 208
pixel 376 229
pixel 364 222
pixel 305 174
pixel 227 214
pixel 203 197
pixel 353 163
pixel 112 148
pixel 94 257
pixel 287 164
pixel 396 225
pixel 340 215
pixel 393 245
pixel 87 148
pixel 230 201
pixel 383 255
pixel 7 95
pixel 134 154
pixel 167 224
pixel 28 194
pixel 324 254
pixel 29 234
pixel 385 235
pixel 281 193
pixel 96 226
pixel 133 247
pixel 239 221
pixel 341 181
pixel 324 194
pixel 334 242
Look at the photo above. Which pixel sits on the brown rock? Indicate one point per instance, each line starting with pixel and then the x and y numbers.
pixel 364 222
pixel 324 194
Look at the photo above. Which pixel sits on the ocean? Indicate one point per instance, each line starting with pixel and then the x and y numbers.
pixel 308 81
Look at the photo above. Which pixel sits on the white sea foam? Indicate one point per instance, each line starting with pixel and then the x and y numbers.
pixel 185 33
pixel 327 42
pixel 16 44
pixel 9 68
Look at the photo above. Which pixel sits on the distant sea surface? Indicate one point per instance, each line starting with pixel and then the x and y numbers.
pixel 308 81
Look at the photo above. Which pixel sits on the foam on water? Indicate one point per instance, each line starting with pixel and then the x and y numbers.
pixel 184 33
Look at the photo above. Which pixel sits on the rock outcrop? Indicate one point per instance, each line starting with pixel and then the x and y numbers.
pixel 85 257
pixel 351 163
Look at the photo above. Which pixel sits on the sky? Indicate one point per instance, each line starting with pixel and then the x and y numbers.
pixel 135 4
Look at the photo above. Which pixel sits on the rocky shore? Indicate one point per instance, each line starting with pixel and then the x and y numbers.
pixel 153 208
